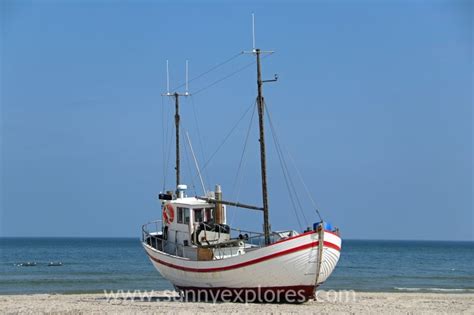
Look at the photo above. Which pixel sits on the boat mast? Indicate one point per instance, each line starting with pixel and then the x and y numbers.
pixel 263 163
pixel 176 121
pixel 261 113
pixel 177 117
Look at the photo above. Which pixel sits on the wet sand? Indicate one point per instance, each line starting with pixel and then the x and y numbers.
pixel 162 302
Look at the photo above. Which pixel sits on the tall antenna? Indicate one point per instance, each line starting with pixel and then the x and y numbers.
pixel 167 78
pixel 187 90
pixel 253 32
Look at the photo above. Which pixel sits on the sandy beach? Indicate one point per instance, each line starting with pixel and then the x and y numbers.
pixel 160 302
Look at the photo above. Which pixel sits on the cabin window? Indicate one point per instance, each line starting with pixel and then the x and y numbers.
pixel 186 215
pixel 198 215
pixel 183 215
pixel 209 215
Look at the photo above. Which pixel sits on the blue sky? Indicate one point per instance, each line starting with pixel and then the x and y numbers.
pixel 374 102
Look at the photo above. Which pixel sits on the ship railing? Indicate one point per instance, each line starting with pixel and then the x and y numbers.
pixel 150 234
pixel 151 228
pixel 256 239
pixel 153 236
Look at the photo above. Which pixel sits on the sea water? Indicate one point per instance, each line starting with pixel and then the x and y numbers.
pixel 98 264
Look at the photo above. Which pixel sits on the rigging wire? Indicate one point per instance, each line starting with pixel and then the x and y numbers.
pixel 290 180
pixel 305 186
pixel 203 89
pixel 226 137
pixel 166 164
pixel 210 85
pixel 229 75
pixel 238 179
pixel 210 70
pixel 189 165
pixel 289 190
pixel 286 173
pixel 224 78
pixel 300 177
pixel 201 146
pixel 196 164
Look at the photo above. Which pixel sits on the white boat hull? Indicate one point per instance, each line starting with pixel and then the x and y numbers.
pixel 290 264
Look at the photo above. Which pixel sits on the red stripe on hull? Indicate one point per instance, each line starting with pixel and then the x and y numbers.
pixel 300 235
pixel 292 294
pixel 292 238
pixel 333 246
pixel 246 263
pixel 326 231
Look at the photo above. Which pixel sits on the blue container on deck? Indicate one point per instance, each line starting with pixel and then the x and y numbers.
pixel 326 225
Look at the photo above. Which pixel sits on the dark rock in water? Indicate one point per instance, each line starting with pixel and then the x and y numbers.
pixel 55 264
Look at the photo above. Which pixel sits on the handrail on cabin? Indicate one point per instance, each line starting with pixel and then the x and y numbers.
pixel 158 224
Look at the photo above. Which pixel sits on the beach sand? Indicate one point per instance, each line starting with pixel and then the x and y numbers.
pixel 353 303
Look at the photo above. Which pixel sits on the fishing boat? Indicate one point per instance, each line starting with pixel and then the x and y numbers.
pixel 195 248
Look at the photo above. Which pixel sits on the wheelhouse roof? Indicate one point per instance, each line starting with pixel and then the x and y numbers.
pixel 191 202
